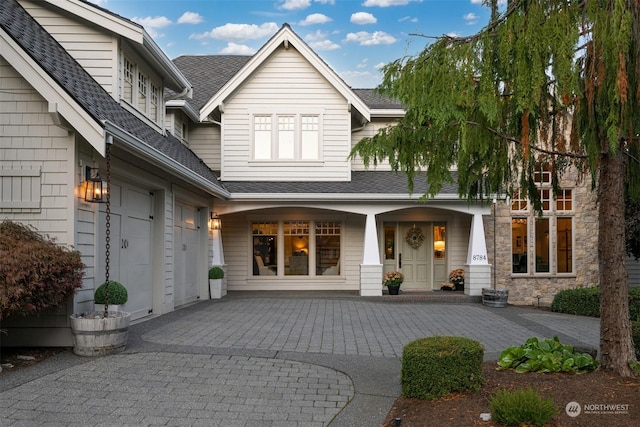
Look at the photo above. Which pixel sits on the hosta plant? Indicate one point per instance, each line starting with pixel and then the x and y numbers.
pixel 547 355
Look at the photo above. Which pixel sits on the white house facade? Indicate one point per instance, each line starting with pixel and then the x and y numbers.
pixel 262 143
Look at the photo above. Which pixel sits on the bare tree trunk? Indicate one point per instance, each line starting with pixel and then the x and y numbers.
pixel 616 347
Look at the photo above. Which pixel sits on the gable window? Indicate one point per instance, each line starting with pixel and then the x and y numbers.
pixel 140 91
pixel 286 137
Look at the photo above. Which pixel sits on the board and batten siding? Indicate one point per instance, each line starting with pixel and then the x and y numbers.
pixel 286 83
pixel 95 50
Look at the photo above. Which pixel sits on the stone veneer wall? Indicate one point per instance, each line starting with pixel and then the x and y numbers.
pixel 524 289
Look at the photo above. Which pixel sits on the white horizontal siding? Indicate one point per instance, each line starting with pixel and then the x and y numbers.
pixel 370 130
pixel 286 83
pixel 205 142
pixel 96 51
pixel 29 141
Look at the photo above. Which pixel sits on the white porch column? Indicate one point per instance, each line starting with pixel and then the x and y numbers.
pixel 218 257
pixel 477 270
pixel 371 267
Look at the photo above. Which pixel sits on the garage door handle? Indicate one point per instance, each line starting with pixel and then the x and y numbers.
pixel 399 260
pixel 124 244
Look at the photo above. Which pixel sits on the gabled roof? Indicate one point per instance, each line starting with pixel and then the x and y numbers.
pixel 285 36
pixel 208 74
pixel 91 98
pixel 131 31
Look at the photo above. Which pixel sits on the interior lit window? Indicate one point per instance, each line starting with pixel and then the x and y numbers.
pixel 564 245
pixel 327 248
pixel 265 254
pixel 542 245
pixel 564 200
pixel 296 248
pixel 439 241
pixel 519 243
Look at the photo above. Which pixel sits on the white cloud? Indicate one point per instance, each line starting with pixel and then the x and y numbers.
pixel 379 65
pixel 362 64
pixel 151 25
pixel 387 3
pixel 295 4
pixel 361 79
pixel 319 41
pixel 362 18
pixel 315 18
pixel 190 18
pixel 408 18
pixel 239 32
pixel 155 22
pixel 471 18
pixel 237 49
pixel 100 2
pixel 331 2
pixel 364 38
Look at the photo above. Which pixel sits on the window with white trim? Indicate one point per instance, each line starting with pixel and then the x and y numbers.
pixel 140 91
pixel 286 137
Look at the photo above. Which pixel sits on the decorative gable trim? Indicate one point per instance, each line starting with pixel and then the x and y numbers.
pixel 287 37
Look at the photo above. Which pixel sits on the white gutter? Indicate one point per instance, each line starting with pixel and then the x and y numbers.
pixel 179 80
pixel 160 159
pixel 184 106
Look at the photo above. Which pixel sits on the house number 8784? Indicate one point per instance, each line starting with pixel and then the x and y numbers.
pixel 479 257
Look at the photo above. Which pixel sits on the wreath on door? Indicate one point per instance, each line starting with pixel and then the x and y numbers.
pixel 415 237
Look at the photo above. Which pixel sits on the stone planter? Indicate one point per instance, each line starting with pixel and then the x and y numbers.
pixel 112 307
pixel 495 297
pixel 215 288
pixel 95 335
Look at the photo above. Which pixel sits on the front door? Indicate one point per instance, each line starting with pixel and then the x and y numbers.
pixel 414 257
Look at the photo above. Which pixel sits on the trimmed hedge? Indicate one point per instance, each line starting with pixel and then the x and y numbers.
pixel 581 301
pixel 434 367
pixel 635 336
pixel 586 302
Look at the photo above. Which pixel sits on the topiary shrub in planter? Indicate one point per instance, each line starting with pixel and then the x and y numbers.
pixel 117 295
pixel 522 407
pixel 434 367
pixel 35 272
pixel 216 274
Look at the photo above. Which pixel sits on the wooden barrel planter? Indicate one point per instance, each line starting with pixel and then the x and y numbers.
pixel 495 297
pixel 96 335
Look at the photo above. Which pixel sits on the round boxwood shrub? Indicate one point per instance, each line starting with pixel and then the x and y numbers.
pixel 216 273
pixel 35 272
pixel 434 367
pixel 580 301
pixel 117 293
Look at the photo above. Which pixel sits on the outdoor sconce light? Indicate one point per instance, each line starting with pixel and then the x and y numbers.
pixel 215 223
pixel 95 187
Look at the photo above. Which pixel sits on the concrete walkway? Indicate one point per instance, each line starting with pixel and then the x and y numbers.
pixel 264 360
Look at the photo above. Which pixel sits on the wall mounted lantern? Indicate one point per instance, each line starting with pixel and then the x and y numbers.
pixel 215 223
pixel 95 187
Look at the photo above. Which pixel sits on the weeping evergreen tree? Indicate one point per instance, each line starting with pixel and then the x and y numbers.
pixel 546 81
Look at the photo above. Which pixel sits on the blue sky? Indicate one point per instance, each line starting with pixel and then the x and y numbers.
pixel 355 37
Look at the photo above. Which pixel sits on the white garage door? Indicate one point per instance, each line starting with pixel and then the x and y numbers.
pixel 186 234
pixel 130 246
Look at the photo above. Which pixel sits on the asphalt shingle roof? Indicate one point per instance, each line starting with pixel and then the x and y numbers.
pixel 87 92
pixel 362 182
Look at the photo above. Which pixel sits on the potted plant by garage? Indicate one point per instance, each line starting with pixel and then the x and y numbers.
pixel 456 277
pixel 216 274
pixel 118 296
pixel 392 280
pixel 100 333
